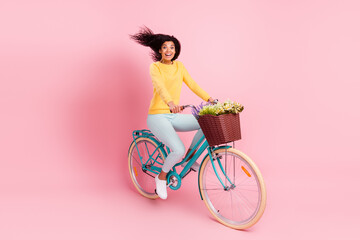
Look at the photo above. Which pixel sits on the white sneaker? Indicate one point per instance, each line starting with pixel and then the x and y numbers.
pixel 194 167
pixel 160 187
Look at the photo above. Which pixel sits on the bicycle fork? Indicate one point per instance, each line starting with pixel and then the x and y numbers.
pixel 215 158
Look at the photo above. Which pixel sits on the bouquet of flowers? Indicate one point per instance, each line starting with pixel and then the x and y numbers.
pixel 218 109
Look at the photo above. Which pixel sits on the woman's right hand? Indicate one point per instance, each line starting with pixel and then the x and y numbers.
pixel 174 108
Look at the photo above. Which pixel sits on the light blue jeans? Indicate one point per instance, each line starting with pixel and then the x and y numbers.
pixel 165 126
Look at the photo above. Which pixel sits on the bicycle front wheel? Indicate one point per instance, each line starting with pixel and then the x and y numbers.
pixel 141 170
pixel 239 201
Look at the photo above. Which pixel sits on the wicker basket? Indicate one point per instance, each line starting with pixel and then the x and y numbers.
pixel 220 129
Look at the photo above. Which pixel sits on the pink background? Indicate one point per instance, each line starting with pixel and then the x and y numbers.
pixel 74 86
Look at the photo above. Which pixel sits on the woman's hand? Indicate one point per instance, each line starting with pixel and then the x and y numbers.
pixel 174 108
pixel 211 100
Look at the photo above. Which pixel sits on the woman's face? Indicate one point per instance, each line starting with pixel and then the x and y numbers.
pixel 167 51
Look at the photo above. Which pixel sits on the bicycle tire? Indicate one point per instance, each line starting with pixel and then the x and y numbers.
pixel 247 179
pixel 143 180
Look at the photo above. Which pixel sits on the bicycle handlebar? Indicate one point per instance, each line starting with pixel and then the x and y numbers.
pixel 192 106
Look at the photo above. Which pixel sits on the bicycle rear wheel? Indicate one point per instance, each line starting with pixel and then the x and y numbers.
pixel 142 178
pixel 242 202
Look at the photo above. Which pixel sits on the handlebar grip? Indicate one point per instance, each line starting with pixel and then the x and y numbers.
pixel 181 108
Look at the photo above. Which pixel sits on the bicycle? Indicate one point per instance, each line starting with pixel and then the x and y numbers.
pixel 229 182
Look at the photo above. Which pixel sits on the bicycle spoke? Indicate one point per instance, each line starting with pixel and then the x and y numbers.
pixel 246 200
pixel 234 179
pixel 232 206
pixel 244 207
pixel 137 160
pixel 250 190
pixel 222 189
pixel 245 180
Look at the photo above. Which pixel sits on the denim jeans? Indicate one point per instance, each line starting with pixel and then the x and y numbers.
pixel 165 126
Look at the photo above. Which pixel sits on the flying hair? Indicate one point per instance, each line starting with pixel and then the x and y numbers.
pixel 147 38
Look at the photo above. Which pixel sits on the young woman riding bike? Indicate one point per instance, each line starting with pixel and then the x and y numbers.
pixel 167 75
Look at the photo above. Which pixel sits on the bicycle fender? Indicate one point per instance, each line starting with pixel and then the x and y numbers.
pixel 219 147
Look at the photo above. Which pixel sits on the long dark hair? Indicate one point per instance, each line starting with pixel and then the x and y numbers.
pixel 147 38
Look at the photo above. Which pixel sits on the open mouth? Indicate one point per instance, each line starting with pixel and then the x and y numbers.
pixel 168 55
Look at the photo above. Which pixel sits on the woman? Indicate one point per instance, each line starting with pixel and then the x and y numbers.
pixel 164 120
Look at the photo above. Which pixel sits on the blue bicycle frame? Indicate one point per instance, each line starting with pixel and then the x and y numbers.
pixel 201 146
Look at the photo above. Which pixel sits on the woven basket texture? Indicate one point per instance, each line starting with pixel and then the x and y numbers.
pixel 220 129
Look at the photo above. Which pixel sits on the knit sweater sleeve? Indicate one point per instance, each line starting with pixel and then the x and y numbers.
pixel 158 83
pixel 189 81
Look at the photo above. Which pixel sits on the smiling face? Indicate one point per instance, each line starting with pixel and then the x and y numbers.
pixel 167 52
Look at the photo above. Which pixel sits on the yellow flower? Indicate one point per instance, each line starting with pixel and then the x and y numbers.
pixel 227 107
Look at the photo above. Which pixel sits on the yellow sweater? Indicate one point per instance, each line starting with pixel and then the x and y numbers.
pixel 167 81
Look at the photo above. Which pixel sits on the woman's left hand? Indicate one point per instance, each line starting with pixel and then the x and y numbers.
pixel 211 100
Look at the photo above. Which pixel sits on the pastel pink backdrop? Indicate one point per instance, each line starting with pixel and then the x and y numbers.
pixel 73 87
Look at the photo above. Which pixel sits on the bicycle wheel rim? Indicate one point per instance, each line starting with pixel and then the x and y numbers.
pixel 143 180
pixel 239 207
